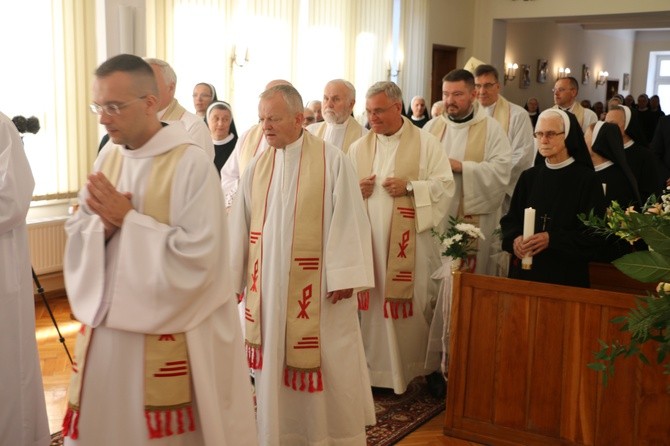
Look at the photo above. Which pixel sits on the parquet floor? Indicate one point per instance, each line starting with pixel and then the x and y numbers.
pixel 56 374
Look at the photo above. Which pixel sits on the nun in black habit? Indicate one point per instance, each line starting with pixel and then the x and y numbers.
pixel 560 186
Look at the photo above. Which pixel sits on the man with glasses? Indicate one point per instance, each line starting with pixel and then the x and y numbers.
pixel 481 159
pixel 407 186
pixel 159 358
pixel 339 127
pixel 565 92
pixel 514 121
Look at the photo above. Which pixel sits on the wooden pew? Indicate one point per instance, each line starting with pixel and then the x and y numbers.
pixel 518 374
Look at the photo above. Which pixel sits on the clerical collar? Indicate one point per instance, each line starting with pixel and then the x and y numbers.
pixel 224 140
pixel 560 165
pixel 628 144
pixel 335 125
pixel 417 119
pixel 387 138
pixel 568 109
pixel 466 119
pixel 603 166
pixel 532 113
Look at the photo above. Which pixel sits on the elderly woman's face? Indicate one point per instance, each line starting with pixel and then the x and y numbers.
pixel 551 138
pixel 219 123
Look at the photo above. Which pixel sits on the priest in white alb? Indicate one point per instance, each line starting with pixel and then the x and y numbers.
pixel 338 126
pixel 23 415
pixel 300 242
pixel 250 144
pixel 159 359
pixel 407 185
pixel 481 158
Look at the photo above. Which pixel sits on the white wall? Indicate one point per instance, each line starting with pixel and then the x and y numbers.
pixel 565 46
pixel 646 41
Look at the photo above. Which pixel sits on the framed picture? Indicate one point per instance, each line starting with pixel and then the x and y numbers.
pixel 542 68
pixel 524 78
pixel 626 81
pixel 586 74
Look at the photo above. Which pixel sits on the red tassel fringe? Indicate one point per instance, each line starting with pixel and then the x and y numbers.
pixel 254 357
pixel 71 424
pixel 159 422
pixel 363 299
pixel 303 380
pixel 394 308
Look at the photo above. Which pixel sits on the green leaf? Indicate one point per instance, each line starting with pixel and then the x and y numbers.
pixel 645 266
pixel 618 320
pixel 657 237
pixel 597 366
pixel 643 358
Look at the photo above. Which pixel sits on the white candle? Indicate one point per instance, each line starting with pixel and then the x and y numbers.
pixel 528 230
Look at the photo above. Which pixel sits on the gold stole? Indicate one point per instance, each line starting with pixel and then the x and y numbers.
pixel 474 151
pixel 167 381
pixel 351 134
pixel 400 266
pixel 502 113
pixel 303 352
pixel 577 110
pixel 174 112
pixel 250 146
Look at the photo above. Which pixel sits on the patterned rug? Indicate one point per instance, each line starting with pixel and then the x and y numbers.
pixel 397 415
pixel 400 415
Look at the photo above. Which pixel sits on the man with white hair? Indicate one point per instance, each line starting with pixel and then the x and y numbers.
pixel 300 243
pixel 339 127
pixel 315 106
pixel 250 144
pixel 170 109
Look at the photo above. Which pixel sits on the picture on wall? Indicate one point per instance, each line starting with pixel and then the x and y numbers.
pixel 586 74
pixel 626 81
pixel 542 68
pixel 524 79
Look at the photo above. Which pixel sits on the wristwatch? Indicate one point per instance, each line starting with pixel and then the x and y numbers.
pixel 409 189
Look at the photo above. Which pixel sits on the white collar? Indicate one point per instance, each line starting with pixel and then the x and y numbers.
pixel 603 166
pixel 560 165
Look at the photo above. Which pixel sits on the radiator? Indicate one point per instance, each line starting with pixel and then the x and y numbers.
pixel 47 245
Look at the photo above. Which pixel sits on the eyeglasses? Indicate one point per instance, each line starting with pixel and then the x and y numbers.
pixel 378 111
pixel 112 109
pixel 550 134
pixel 560 90
pixel 486 86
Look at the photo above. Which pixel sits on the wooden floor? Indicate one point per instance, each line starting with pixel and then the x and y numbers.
pixel 56 373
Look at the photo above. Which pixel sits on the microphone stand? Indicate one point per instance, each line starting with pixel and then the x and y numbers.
pixel 40 290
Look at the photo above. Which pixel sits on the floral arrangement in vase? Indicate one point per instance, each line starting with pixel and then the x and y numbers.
pixel 650 319
pixel 459 241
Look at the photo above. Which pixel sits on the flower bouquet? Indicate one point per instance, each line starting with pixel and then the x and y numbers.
pixel 650 320
pixel 456 244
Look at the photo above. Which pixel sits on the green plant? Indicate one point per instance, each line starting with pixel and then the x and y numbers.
pixel 650 319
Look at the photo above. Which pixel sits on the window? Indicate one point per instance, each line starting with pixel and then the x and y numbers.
pixel 44 76
pixel 659 76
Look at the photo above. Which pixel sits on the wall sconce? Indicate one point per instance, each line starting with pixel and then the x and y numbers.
pixel 236 56
pixel 391 73
pixel 563 72
pixel 602 78
pixel 510 72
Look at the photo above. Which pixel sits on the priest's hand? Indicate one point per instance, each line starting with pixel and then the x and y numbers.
pixel 456 166
pixel 334 296
pixel 103 199
pixel 367 186
pixel 395 187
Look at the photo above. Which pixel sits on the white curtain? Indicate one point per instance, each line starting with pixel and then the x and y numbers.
pixel 414 44
pixel 307 42
pixel 47 53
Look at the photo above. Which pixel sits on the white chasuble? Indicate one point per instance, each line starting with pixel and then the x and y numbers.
pixel 339 413
pixel 395 348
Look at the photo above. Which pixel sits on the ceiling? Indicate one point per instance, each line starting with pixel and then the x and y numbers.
pixel 641 21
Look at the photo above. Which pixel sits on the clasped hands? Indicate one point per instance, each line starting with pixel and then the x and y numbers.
pixel 534 245
pixel 109 204
pixel 395 187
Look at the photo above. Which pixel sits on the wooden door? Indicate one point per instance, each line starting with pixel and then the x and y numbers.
pixel 444 60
